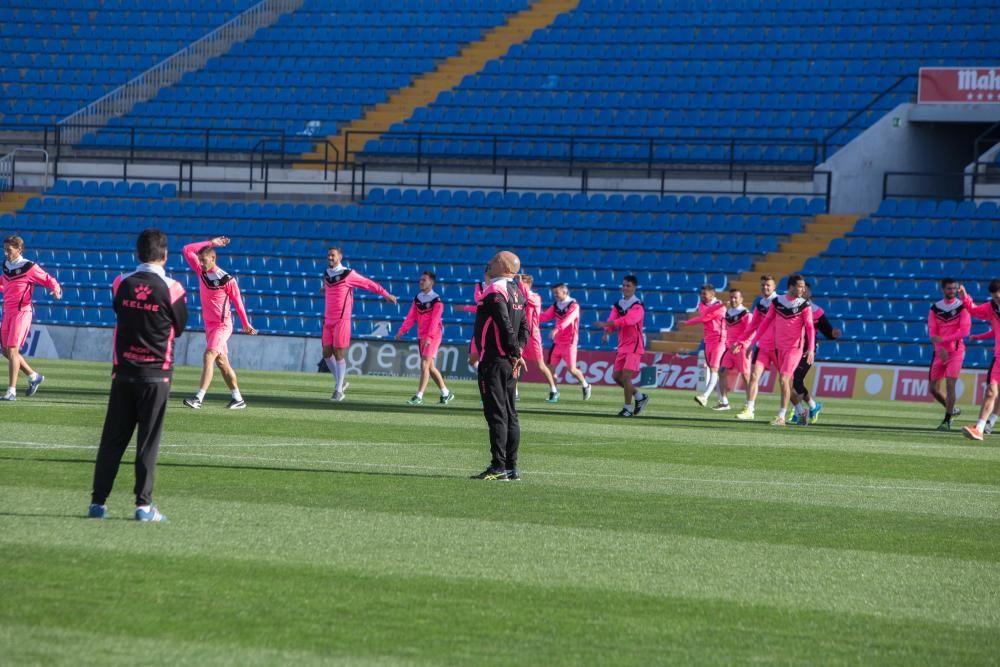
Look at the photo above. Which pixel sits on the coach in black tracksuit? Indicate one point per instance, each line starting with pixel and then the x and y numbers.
pixel 501 333
pixel 151 312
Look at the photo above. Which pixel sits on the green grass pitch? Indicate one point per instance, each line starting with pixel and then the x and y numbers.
pixel 349 534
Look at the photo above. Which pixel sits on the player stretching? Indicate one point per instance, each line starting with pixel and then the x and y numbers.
pixel 19 279
pixel 948 323
pixel 426 312
pixel 734 366
pixel 339 283
pixel 218 290
pixel 764 356
pixel 803 398
pixel 790 322
pixel 533 350
pixel 989 311
pixel 712 314
pixel 626 319
pixel 566 334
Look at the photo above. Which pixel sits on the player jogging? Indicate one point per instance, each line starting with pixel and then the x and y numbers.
pixel 989 311
pixel 218 290
pixel 790 322
pixel 711 314
pixel 803 398
pixel 734 366
pixel 533 351
pixel 566 335
pixel 339 283
pixel 764 356
pixel 948 323
pixel 19 279
pixel 626 319
pixel 426 312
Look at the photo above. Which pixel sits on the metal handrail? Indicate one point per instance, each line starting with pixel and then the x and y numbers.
pixel 168 71
pixel 857 114
pixel 974 178
pixel 8 167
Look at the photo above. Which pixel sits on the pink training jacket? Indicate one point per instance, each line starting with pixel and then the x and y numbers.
pixel 990 312
pixel 713 316
pixel 738 321
pixel 760 310
pixel 18 283
pixel 340 284
pixel 951 321
pixel 791 323
pixel 532 311
pixel 567 316
pixel 627 318
pixel 478 298
pixel 217 290
pixel 426 312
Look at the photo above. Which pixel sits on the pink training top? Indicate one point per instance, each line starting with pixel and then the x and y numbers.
pixel 627 317
pixel 738 321
pixel 950 320
pixel 567 316
pixel 426 312
pixel 989 311
pixel 478 298
pixel 817 312
pixel 792 323
pixel 340 284
pixel 760 311
pixel 217 290
pixel 713 316
pixel 18 282
pixel 532 311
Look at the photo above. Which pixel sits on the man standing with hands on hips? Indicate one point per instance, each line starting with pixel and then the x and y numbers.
pixel 501 332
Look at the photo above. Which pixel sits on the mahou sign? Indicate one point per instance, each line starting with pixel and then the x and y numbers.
pixel 959 85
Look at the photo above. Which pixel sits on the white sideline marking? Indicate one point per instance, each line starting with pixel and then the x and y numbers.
pixel 10 444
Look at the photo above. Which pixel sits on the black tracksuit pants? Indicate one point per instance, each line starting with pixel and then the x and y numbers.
pixel 132 403
pixel 497 387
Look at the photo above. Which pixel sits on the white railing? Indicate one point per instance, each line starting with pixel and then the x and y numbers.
pixel 8 167
pixel 169 71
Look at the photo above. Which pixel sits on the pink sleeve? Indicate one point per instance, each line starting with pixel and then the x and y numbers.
pixel 762 327
pixel 572 315
pixel 635 315
pixel 438 312
pixel 612 319
pixel 964 327
pixel 191 254
pixel 931 325
pixel 411 318
pixel 980 312
pixel 233 290
pixel 986 335
pixel 547 314
pixel 355 279
pixel 524 290
pixel 470 309
pixel 39 277
pixel 810 329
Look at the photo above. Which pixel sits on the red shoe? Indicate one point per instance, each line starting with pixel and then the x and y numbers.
pixel 972 433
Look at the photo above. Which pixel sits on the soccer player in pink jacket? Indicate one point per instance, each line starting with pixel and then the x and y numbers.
pixel 791 321
pixel 764 356
pixel 948 323
pixel 565 335
pixel 218 291
pixel 712 315
pixel 427 312
pixel 738 320
pixel 18 282
pixel 626 319
pixel 533 351
pixel 989 311
pixel 339 283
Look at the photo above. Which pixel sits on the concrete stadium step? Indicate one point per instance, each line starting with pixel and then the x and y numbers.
pixel 425 89
pixel 792 254
pixel 12 202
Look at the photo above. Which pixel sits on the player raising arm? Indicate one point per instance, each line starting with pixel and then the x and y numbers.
pixel 426 312
pixel 948 323
pixel 566 334
pixel 626 319
pixel 711 314
pixel 218 290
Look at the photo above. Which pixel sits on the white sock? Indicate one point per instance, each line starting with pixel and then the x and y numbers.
pixel 144 508
pixel 12 391
pixel 552 387
pixel 627 407
pixel 34 377
pixel 585 384
pixel 812 404
pixel 444 391
pixel 200 394
pixel 992 420
pixel 724 400
pixel 980 425
pixel 237 396
pixel 475 366
pixel 750 405
pixel 639 396
pixel 341 374
pixel 713 379
pixel 420 394
pixel 331 364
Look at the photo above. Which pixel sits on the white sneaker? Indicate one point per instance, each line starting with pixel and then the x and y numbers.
pixel 337 396
pixel 700 400
pixel 719 407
